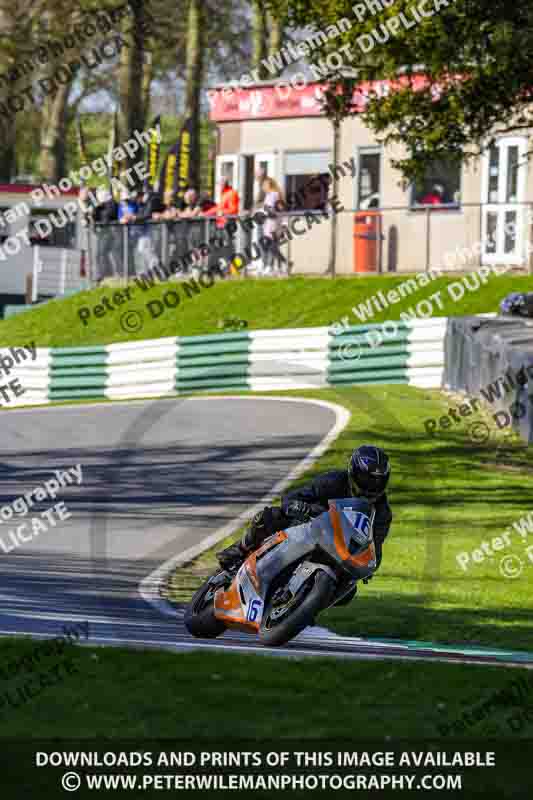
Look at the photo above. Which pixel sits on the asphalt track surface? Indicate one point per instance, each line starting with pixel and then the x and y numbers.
pixel 159 477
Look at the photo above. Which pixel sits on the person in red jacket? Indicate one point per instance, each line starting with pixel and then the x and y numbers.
pixel 435 197
pixel 229 203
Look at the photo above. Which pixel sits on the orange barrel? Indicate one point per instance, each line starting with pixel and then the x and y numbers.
pixel 366 241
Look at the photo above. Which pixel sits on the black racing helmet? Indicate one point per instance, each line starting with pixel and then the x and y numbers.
pixel 368 472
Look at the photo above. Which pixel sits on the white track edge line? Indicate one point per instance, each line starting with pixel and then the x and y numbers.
pixel 292 652
pixel 150 586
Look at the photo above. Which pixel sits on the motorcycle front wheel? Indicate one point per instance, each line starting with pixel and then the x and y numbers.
pixel 281 623
pixel 200 618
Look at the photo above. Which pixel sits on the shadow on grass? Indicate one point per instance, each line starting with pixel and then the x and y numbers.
pixel 442 489
pixel 390 616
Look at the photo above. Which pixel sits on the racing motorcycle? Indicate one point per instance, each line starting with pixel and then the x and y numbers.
pixel 293 576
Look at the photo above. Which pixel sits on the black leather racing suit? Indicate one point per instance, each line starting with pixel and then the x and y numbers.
pixel 317 494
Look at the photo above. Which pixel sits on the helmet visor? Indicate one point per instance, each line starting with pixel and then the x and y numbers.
pixel 370 486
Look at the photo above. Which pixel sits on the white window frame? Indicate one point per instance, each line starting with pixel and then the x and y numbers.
pixel 286 153
pixel 449 207
pixel 231 159
pixel 502 206
pixel 368 150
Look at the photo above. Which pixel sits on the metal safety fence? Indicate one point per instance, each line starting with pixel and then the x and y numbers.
pixel 446 238
pixel 185 245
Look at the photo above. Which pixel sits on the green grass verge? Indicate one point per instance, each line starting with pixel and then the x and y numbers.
pixel 123 699
pixel 118 692
pixel 267 304
pixel 448 496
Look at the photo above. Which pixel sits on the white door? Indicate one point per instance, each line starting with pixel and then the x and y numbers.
pixel 227 167
pixel 504 188
pixel 266 161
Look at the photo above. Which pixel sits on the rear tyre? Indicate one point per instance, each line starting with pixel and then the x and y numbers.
pixel 278 627
pixel 200 618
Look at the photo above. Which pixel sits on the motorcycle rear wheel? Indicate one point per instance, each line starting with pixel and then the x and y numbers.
pixel 301 614
pixel 200 618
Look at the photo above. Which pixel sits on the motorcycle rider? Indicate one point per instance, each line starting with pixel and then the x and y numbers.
pixel 367 476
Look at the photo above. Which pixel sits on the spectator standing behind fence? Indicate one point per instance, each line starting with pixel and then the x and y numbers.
pixel 127 208
pixel 260 175
pixel 194 231
pixel 259 195
pixel 229 204
pixel 149 204
pixel 177 238
pixel 195 204
pixel 86 213
pixel 107 209
pixel 169 210
pixel 435 197
pixel 274 203
pixel 107 238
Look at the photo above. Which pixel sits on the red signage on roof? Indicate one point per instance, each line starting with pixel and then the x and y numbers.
pixel 27 188
pixel 276 102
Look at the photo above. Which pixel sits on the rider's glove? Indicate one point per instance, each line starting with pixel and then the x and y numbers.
pixel 300 510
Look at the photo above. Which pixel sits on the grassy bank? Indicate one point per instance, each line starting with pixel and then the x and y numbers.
pixel 132 700
pixel 130 693
pixel 448 495
pixel 267 304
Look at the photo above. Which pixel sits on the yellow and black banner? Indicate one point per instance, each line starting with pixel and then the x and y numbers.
pixel 154 152
pixel 175 175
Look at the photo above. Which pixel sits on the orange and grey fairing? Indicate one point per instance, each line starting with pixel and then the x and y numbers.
pixel 361 561
pixel 241 606
pixel 344 533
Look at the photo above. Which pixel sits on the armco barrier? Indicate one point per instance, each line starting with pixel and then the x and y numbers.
pixel 273 360
pixel 492 359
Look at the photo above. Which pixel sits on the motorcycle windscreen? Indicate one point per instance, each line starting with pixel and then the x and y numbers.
pixel 356 518
pixel 347 534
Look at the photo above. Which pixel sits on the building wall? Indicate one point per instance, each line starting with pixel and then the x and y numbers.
pixel 230 138
pixel 412 240
pixel 283 135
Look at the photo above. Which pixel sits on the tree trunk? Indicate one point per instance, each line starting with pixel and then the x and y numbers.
pixel 53 127
pixel 132 76
pixel 332 269
pixel 259 38
pixel 194 76
pixel 148 72
pixel 275 40
pixel 7 149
